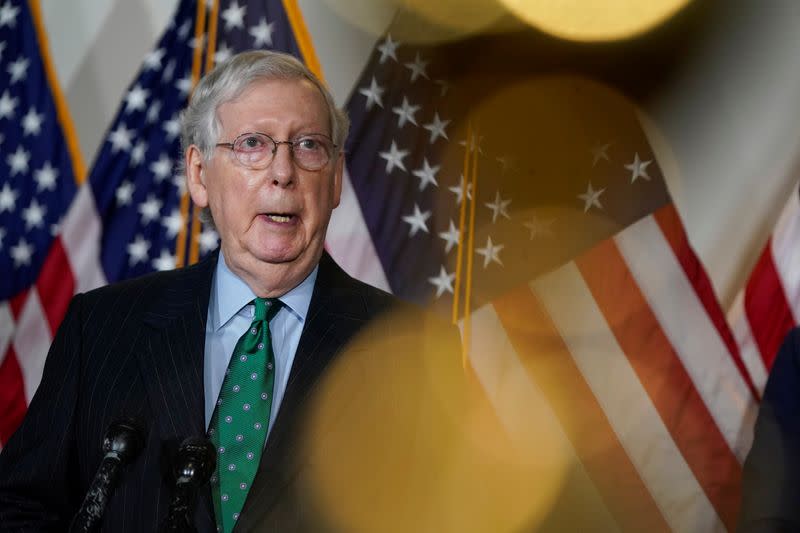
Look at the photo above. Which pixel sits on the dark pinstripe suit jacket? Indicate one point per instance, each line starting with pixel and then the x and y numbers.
pixel 136 348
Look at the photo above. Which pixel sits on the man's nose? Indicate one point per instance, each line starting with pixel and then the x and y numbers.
pixel 282 168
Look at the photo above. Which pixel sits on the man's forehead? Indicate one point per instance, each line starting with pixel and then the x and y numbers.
pixel 269 90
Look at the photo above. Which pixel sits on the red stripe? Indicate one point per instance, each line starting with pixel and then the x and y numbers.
pixel 56 284
pixel 12 395
pixel 16 303
pixel 550 365
pixel 766 307
pixel 669 221
pixel 662 374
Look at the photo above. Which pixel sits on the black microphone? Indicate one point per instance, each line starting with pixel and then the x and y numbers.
pixel 194 464
pixel 122 443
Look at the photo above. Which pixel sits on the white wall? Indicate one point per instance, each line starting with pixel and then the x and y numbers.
pixel 726 127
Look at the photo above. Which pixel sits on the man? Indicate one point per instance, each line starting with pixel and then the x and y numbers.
pixel 771 476
pixel 232 347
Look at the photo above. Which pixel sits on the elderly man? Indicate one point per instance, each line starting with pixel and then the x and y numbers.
pixel 231 347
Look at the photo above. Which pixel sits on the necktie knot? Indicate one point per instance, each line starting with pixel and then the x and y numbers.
pixel 266 308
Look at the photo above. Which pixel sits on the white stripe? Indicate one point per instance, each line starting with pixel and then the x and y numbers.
pixel 786 252
pixel 625 402
pixel 349 242
pixel 691 332
pixel 7 327
pixel 521 406
pixel 751 355
pixel 80 235
pixel 32 342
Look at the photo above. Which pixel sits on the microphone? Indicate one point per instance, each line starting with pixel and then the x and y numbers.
pixel 122 443
pixel 194 464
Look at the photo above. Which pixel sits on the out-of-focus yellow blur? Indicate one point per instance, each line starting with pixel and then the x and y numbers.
pixel 407 442
pixel 594 20
pixel 426 22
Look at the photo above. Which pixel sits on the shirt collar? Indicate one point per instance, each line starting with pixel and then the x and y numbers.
pixel 229 293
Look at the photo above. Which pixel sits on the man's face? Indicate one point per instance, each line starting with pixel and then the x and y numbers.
pixel 271 220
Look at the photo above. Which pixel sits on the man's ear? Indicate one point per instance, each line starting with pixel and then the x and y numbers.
pixel 338 177
pixel 195 178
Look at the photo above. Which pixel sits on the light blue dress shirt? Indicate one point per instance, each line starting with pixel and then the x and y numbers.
pixel 230 314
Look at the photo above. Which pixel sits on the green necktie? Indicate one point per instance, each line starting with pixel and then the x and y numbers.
pixel 241 418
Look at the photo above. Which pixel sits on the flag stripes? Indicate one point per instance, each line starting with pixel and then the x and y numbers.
pixel 625 353
pixel 768 306
pixel 653 357
pixel 547 362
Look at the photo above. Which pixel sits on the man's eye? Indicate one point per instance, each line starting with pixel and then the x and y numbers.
pixel 251 143
pixel 308 143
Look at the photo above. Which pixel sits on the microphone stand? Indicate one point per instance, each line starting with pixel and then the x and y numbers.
pixel 195 462
pixel 122 443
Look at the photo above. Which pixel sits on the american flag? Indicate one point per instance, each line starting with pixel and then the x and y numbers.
pixel 577 290
pixel 769 304
pixel 128 218
pixel 39 172
pixel 568 270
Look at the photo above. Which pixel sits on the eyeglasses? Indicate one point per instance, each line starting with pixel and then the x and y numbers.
pixel 257 150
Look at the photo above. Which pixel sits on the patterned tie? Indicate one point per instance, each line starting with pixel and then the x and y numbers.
pixel 241 418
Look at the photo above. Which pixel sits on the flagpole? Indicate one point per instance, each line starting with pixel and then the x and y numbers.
pixel 473 149
pixel 197 63
pixel 461 222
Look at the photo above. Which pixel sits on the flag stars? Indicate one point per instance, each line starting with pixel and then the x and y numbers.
pixel 184 85
pixel 443 282
pixel 183 31
pixel 150 209
pixel 394 158
pixel 234 16
pixel 18 161
pixel 405 113
pixel 600 152
pixel 417 221
pixel 124 193
pixel 153 111
pixel 34 215
pixel 165 261
pixel 8 15
pixel 458 190
pixel 172 127
pixel 222 54
pixel 538 227
pixel 162 168
pixel 137 250
pixel 169 71
pixel 262 33
pixel 46 177
pixel 32 122
pixel 473 143
pixel 138 153
pixel 120 138
pixel 173 223
pixel 417 68
pixel 152 61
pixel 451 237
pixel 208 240
pixel 591 198
pixel 18 69
pixel 638 168
pixel 136 99
pixel 7 105
pixel 426 175
pixel 388 48
pixel 436 127
pixel 21 253
pixel 374 94
pixel 499 207
pixel 490 253
pixel 8 198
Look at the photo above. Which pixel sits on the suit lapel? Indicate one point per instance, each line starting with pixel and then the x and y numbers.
pixel 337 311
pixel 171 356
